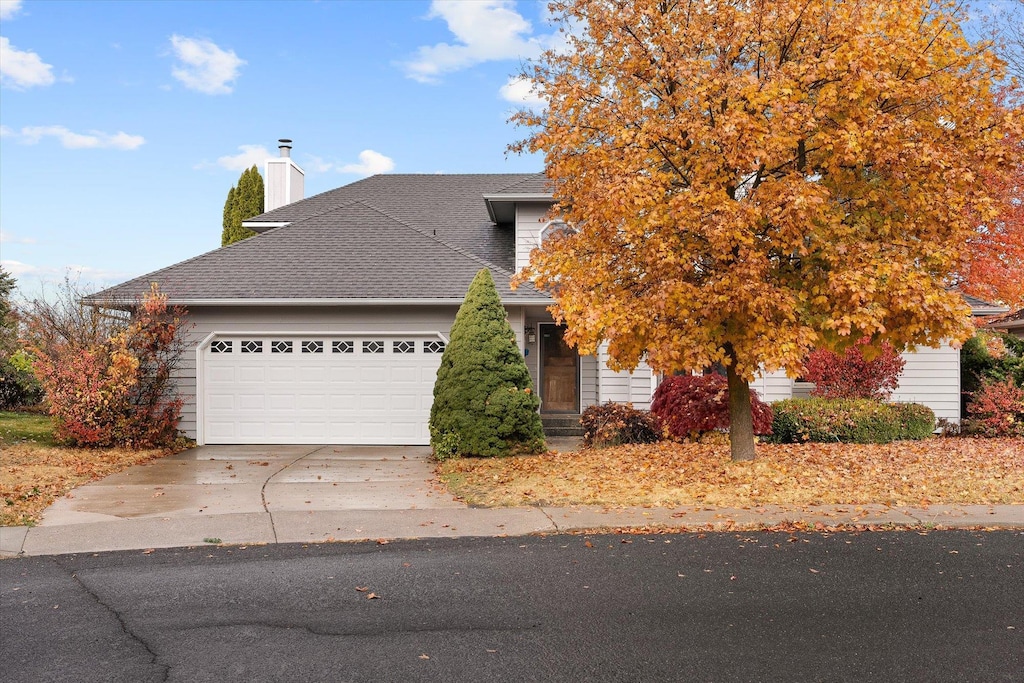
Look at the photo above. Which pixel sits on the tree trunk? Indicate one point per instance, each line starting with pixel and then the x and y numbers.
pixel 741 419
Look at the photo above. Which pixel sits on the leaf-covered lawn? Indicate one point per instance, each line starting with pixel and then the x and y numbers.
pixel 670 474
pixel 34 471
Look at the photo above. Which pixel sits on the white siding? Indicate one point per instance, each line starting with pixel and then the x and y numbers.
pixel 930 377
pixel 773 386
pixel 530 219
pixel 624 387
pixel 589 377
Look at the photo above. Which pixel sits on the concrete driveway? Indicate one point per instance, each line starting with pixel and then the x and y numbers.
pixel 264 494
pixel 215 480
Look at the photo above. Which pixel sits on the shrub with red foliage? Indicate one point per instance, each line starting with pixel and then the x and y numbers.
pixel 689 405
pixel 997 409
pixel 116 392
pixel 851 375
pixel 614 424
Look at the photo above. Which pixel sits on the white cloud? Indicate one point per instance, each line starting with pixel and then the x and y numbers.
pixel 6 132
pixel 485 31
pixel 370 163
pixel 37 279
pixel 204 66
pixel 21 69
pixel 519 90
pixel 249 155
pixel 19 269
pixel 94 139
pixel 11 238
pixel 316 164
pixel 8 8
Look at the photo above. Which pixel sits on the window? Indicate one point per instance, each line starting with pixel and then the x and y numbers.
pixel 281 347
pixel 555 229
pixel 373 347
pixel 252 346
pixel 404 347
pixel 312 347
pixel 342 346
pixel 433 346
pixel 220 346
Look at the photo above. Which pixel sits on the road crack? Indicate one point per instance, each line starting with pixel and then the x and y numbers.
pixel 125 628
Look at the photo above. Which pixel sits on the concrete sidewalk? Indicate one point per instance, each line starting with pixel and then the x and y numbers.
pixel 289 494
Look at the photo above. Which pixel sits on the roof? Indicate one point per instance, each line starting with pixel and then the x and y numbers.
pixel 1013 320
pixel 449 206
pixel 980 307
pixel 387 238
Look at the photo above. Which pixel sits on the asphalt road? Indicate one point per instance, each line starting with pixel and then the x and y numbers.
pixel 883 606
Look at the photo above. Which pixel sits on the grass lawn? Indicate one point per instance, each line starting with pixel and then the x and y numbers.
pixel 952 470
pixel 34 471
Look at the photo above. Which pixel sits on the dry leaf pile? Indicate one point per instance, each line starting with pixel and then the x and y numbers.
pixel 33 476
pixel 952 471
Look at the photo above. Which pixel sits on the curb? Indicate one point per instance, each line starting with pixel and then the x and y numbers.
pixel 360 525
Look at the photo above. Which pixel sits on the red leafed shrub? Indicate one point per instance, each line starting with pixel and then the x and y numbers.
pixel 853 376
pixel 613 424
pixel 688 405
pixel 116 392
pixel 997 409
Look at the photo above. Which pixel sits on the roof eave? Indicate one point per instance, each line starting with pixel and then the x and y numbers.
pixel 499 205
pixel 263 226
pixel 545 301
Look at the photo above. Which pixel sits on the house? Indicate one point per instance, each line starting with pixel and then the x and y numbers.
pixel 328 325
pixel 1012 322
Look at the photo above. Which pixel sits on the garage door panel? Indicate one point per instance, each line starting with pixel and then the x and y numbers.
pixel 343 374
pixel 373 374
pixel 356 391
pixel 220 375
pixel 251 374
pixel 405 403
pixel 280 401
pixel 405 375
pixel 312 374
pixel 374 402
pixel 222 401
pixel 218 429
pixel 251 401
pixel 343 403
pixel 252 430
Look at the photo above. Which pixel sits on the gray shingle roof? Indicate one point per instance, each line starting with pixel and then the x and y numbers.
pixel 448 206
pixel 535 183
pixel 385 237
pixel 982 307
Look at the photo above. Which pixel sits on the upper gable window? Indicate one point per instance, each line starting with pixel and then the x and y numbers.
pixel 555 228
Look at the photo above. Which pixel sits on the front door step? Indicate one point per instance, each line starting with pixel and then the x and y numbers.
pixel 559 424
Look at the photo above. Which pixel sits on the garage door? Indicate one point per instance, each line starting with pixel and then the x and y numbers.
pixel 338 390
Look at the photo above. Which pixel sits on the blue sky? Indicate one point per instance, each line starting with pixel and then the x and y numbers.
pixel 124 124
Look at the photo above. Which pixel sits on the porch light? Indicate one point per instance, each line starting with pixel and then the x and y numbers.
pixel 531 335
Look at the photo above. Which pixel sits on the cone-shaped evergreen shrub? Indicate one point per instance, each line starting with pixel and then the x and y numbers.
pixel 484 402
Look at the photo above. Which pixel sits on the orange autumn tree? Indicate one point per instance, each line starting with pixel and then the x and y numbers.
pixel 750 180
pixel 993 267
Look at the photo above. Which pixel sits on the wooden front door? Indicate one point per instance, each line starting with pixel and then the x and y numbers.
pixel 559 372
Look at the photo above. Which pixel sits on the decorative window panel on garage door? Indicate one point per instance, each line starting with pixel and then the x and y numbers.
pixel 311 389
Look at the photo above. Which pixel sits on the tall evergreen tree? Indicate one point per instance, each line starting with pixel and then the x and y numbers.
pixel 484 403
pixel 243 202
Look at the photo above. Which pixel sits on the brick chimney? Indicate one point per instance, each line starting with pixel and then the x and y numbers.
pixel 283 180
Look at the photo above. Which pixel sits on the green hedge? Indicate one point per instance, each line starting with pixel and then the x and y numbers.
pixel 825 420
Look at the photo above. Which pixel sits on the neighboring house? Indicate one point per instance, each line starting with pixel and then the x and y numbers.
pixel 1012 322
pixel 328 325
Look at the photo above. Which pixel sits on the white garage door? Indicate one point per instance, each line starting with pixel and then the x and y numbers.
pixel 333 390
